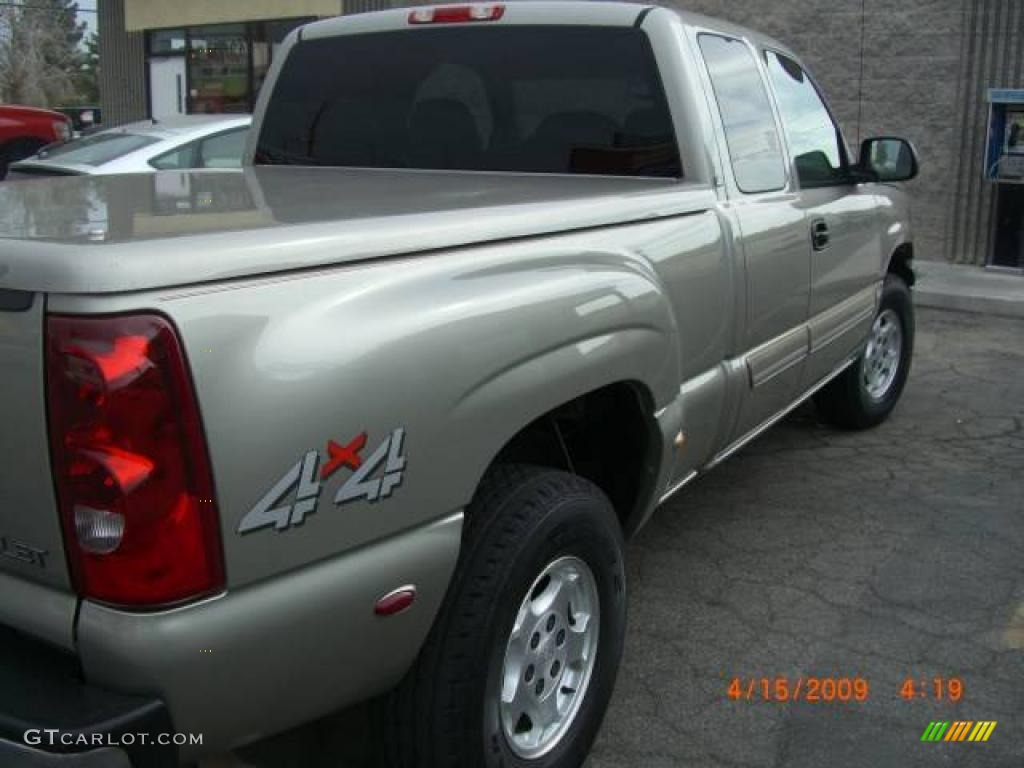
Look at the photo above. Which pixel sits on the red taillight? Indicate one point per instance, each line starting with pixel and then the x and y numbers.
pixel 455 14
pixel 130 462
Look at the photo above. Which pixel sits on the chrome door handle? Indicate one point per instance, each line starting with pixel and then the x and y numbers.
pixel 819 235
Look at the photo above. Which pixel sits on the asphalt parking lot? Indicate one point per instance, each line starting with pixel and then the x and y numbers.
pixel 884 555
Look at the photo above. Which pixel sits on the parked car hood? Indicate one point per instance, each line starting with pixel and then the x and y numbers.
pixel 100 234
pixel 19 111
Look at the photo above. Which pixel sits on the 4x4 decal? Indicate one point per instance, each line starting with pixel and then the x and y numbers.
pixel 303 479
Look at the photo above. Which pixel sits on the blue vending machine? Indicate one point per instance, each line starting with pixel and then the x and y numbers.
pixel 1004 166
pixel 1005 151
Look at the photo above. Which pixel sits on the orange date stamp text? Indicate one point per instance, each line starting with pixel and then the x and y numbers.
pixel 810 689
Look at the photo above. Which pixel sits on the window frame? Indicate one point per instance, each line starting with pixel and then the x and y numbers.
pixel 846 177
pixel 722 136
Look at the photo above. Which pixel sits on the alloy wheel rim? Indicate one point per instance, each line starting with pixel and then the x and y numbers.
pixel 549 657
pixel 881 359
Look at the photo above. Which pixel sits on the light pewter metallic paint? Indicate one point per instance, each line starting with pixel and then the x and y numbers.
pixel 283 652
pixel 135 232
pixel 317 303
pixel 26 486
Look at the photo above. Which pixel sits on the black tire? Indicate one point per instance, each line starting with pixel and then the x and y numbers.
pixel 15 151
pixel 846 402
pixel 445 713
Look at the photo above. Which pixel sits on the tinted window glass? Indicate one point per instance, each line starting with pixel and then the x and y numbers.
pixel 812 135
pixel 176 159
pixel 538 99
pixel 167 41
pixel 223 150
pixel 99 148
pixel 750 130
pixel 218 69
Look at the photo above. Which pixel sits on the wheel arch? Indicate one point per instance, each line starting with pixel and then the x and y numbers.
pixel 607 435
pixel 901 263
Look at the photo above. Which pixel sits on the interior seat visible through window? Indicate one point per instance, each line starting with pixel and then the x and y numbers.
pixel 643 127
pixel 557 136
pixel 541 99
pixel 443 134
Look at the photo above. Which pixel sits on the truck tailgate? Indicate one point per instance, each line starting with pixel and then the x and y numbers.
pixel 31 542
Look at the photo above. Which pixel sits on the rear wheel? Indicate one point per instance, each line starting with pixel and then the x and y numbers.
pixel 520 664
pixel 865 394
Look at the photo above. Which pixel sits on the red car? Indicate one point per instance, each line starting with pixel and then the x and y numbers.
pixel 24 130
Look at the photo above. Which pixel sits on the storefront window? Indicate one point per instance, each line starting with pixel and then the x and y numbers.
pixel 260 57
pixel 219 69
pixel 166 41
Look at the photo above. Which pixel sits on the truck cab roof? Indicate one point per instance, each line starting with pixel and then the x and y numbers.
pixel 568 12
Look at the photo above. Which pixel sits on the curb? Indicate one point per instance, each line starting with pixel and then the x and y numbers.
pixel 982 305
pixel 968 289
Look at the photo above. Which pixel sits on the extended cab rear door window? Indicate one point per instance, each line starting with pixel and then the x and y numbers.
pixel 541 99
pixel 814 138
pixel 750 130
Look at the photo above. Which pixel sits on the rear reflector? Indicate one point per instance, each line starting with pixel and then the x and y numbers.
pixel 455 14
pixel 130 462
pixel 396 601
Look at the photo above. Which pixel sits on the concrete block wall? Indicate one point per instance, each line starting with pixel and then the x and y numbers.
pixel 122 67
pixel 886 68
pixel 912 88
pixel 993 57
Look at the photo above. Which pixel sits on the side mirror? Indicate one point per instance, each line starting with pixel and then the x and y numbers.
pixel 888 159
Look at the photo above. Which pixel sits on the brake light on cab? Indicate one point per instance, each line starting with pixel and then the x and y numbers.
pixel 455 14
pixel 132 473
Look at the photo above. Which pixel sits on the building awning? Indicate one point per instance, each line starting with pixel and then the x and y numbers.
pixel 153 14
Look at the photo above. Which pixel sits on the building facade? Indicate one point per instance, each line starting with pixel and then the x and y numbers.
pixel 919 68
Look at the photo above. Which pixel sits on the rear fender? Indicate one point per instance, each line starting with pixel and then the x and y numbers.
pixel 460 350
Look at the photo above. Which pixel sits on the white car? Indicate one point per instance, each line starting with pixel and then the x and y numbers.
pixel 178 143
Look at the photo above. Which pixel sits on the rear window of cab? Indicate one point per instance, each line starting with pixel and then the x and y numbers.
pixel 540 99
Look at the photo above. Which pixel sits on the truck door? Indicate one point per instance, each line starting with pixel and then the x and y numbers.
pixel 842 219
pixel 772 343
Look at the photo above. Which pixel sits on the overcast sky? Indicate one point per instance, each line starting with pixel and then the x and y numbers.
pixel 88 18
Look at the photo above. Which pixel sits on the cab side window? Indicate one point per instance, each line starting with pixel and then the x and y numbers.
pixel 813 136
pixel 750 130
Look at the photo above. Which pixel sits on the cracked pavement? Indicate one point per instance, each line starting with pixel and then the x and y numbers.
pixel 885 554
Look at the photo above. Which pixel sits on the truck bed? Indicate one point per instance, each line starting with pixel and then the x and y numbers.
pixel 109 234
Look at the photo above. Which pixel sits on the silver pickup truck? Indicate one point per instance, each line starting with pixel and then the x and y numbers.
pixel 373 416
